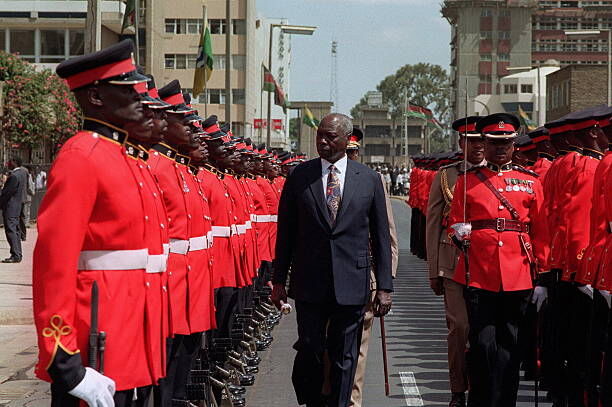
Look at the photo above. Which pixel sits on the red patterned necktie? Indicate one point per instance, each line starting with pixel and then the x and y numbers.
pixel 334 195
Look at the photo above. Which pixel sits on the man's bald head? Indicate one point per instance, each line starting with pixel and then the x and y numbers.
pixel 332 136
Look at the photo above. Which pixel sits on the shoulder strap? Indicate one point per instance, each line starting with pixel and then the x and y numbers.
pixel 498 195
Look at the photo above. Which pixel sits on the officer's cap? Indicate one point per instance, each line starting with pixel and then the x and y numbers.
pixel 467 126
pixel 114 65
pixel 355 139
pixel 498 126
pixel 524 143
pixel 538 135
pixel 172 94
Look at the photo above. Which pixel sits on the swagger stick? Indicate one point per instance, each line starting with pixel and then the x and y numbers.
pixel 93 328
pixel 384 350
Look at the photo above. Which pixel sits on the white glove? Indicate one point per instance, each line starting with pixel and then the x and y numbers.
pixel 462 230
pixel 587 289
pixel 95 389
pixel 540 294
pixel 607 297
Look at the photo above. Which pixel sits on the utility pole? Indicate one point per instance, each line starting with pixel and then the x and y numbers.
pixel 93 26
pixel 228 62
pixel 136 29
pixel 406 152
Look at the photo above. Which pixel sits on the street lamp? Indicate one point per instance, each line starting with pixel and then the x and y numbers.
pixel 539 95
pixel 597 32
pixel 287 29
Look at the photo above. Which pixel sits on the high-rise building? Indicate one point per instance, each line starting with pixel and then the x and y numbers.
pixel 554 19
pixel 487 36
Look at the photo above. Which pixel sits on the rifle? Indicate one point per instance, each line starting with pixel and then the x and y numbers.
pixel 97 340
pixel 384 350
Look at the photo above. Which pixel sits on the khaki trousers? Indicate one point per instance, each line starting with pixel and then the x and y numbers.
pixel 458 330
pixel 368 322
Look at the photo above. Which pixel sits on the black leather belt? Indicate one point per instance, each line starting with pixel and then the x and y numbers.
pixel 501 225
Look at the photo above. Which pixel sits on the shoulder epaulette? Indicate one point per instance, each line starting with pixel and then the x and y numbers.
pixel 525 170
pixel 451 165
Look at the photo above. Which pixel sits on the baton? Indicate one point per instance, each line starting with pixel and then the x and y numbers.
pixel 384 350
pixel 93 327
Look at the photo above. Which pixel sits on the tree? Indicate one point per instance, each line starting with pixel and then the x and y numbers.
pixel 39 109
pixel 426 85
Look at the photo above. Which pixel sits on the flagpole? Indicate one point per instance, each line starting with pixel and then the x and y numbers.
pixel 204 25
pixel 136 20
pixel 261 104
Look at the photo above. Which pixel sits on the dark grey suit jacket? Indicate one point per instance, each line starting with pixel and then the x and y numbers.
pixel 332 263
pixel 11 197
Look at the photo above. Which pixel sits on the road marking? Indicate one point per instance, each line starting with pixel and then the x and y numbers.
pixel 411 390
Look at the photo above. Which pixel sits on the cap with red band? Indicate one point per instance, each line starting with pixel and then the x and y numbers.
pixel 498 125
pixel 467 126
pixel 173 95
pixel 114 65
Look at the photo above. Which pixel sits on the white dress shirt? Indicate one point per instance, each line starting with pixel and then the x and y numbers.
pixel 340 171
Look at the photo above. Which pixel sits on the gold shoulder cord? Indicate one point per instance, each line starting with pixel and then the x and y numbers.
pixel 447 192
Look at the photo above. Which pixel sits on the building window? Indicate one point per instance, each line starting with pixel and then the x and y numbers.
pixel 183 25
pixel 486 12
pixel 510 89
pixel 239 27
pixel 526 88
pixel 569 25
pixel 238 97
pixel 486 57
pixel 194 25
pixel 569 4
pixel 239 62
pixel 548 25
pixel 485 78
pixel 216 96
pixel 22 42
pixel 569 47
pixel 2 39
pixel 52 46
pixel 76 40
pixel 503 57
pixel 504 35
pixel 504 12
pixel 486 35
pixel 191 61
pixel 217 26
pixel 180 61
pixel 238 129
pixel 589 24
pixel 219 62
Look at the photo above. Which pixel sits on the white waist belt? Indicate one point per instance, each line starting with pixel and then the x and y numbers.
pixel 156 263
pixel 273 218
pixel 234 229
pixel 113 259
pixel 210 238
pixel 241 229
pixel 253 218
pixel 166 248
pixel 221 231
pixel 262 218
pixel 198 243
pixel 179 246
pixel 249 225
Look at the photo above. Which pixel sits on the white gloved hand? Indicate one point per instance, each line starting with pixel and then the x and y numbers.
pixel 462 230
pixel 540 294
pixel 95 389
pixel 607 296
pixel 587 290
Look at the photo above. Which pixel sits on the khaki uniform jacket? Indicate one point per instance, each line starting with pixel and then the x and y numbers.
pixel 442 254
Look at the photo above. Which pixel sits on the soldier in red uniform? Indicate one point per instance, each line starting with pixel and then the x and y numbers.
pixel 506 231
pixel 93 229
pixel 525 153
pixel 546 152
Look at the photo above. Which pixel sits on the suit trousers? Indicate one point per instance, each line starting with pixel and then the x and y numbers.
pixel 368 323
pixel 326 326
pixel 458 331
pixel 138 397
pixel 494 356
pixel 13 235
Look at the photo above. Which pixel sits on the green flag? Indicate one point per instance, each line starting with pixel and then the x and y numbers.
pixel 129 15
pixel 309 119
pixel 204 62
pixel 525 120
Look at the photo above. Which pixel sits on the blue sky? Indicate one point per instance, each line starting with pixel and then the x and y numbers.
pixel 375 38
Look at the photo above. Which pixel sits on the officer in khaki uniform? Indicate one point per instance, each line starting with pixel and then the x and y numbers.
pixel 352 151
pixel 442 254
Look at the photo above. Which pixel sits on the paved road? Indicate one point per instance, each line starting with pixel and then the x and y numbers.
pixel 416 334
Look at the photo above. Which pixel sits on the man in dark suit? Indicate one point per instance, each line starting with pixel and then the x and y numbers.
pixel 332 228
pixel 11 200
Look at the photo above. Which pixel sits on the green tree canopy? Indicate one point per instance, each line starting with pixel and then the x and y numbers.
pixel 39 109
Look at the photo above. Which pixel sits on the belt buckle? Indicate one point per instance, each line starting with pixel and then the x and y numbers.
pixel 527 228
pixel 500 224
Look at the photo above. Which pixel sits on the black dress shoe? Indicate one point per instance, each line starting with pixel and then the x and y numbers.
pixel 457 400
pixel 11 260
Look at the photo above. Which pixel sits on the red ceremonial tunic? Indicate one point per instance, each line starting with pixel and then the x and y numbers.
pixel 166 172
pixel 250 230
pixel 498 261
pixel 541 167
pixel 91 227
pixel 605 267
pixel 577 217
pixel 240 218
pixel 221 213
pixel 277 187
pixel 272 205
pixel 200 299
pixel 261 220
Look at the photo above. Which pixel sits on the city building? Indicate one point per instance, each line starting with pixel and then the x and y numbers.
pixel 554 19
pixel 487 36
pixel 307 135
pixel 575 87
pixel 522 89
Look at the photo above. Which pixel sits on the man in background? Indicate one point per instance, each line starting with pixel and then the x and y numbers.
pixel 11 201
